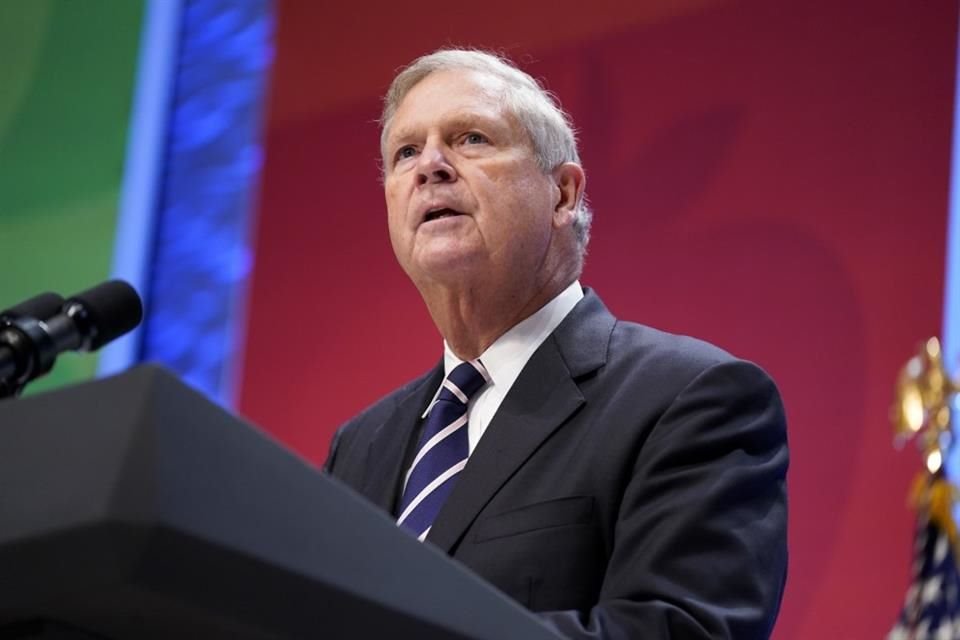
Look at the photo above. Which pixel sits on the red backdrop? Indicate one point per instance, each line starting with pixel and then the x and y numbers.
pixel 771 176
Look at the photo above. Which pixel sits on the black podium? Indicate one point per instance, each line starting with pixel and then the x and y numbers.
pixel 132 507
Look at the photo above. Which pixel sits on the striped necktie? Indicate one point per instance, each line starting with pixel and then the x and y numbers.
pixel 443 449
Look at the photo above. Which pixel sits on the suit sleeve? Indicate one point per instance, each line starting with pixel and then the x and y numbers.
pixel 700 541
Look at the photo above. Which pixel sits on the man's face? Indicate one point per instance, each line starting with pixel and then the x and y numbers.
pixel 465 195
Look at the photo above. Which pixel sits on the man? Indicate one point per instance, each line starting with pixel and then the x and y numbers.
pixel 624 482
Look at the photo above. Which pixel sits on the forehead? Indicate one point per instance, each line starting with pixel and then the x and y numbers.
pixel 450 95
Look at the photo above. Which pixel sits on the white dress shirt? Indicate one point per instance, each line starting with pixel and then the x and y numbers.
pixel 506 358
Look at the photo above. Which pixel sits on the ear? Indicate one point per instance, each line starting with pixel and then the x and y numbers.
pixel 569 181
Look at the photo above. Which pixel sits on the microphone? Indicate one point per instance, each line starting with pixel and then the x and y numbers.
pixel 29 345
pixel 94 317
pixel 39 307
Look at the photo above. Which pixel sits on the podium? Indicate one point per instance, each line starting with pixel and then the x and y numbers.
pixel 132 507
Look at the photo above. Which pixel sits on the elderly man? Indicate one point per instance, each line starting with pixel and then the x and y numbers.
pixel 624 482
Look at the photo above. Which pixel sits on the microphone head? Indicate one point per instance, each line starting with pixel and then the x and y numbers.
pixel 105 312
pixel 40 307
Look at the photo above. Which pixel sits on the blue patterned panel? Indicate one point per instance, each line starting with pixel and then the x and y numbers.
pixel 202 255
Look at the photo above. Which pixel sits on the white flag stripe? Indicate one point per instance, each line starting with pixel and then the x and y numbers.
pixel 423 536
pixel 427 490
pixel 431 443
pixel 455 390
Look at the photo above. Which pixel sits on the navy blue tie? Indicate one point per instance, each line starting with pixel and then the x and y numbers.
pixel 443 449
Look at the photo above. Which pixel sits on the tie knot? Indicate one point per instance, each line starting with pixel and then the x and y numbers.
pixel 465 381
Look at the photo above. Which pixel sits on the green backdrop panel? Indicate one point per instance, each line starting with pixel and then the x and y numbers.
pixel 68 76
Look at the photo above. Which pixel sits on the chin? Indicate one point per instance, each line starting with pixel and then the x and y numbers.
pixel 446 267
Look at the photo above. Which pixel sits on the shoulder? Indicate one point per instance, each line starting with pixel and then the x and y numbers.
pixel 627 364
pixel 630 341
pixel 363 427
pixel 377 412
pixel 592 340
pixel 677 364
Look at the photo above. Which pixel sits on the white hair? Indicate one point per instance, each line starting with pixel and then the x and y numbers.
pixel 549 128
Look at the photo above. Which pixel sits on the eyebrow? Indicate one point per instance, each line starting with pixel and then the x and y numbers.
pixel 466 120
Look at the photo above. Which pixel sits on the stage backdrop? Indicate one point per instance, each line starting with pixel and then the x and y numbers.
pixel 770 176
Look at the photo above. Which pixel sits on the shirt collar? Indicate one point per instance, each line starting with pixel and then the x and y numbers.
pixel 508 355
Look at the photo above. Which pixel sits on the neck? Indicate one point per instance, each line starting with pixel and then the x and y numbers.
pixel 472 318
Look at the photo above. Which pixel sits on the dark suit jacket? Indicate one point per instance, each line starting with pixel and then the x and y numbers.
pixel 632 483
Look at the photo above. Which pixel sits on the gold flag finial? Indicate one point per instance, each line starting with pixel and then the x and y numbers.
pixel 923 404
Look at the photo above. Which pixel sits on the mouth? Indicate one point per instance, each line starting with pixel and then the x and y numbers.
pixel 437 214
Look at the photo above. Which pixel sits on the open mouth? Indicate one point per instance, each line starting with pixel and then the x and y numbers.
pixel 436 214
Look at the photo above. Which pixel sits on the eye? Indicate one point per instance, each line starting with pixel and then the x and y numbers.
pixel 475 138
pixel 405 152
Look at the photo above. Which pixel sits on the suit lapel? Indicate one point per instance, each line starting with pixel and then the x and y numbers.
pixel 543 397
pixel 387 450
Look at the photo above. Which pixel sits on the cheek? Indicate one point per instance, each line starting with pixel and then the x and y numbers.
pixel 529 203
pixel 396 206
pixel 390 193
pixel 516 184
pixel 398 236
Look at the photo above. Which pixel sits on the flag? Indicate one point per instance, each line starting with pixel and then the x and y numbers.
pixel 931 609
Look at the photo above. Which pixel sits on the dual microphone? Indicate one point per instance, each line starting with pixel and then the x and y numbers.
pixel 34 332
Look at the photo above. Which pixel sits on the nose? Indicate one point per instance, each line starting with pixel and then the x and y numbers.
pixel 434 167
